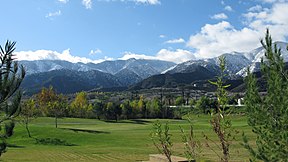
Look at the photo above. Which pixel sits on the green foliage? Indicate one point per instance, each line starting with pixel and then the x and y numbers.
pixel 221 123
pixel 10 97
pixel 112 111
pixel 99 110
pixel 204 105
pixel 153 108
pixel 268 115
pixel 29 111
pixel 80 106
pixel 179 101
pixel 162 139
pixel 126 110
pixel 52 104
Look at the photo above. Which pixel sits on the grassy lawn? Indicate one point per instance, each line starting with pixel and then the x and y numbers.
pixel 94 140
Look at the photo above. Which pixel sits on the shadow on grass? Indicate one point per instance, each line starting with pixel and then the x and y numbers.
pixel 86 130
pixel 14 146
pixel 132 121
pixel 53 141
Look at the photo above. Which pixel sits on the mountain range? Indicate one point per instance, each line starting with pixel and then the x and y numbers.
pixel 236 66
pixel 67 77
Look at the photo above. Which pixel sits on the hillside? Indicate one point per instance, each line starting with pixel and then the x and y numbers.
pixel 68 81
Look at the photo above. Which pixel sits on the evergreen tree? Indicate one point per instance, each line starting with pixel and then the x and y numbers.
pixel 268 115
pixel 10 79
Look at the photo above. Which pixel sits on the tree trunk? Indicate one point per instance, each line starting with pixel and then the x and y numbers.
pixel 27 128
pixel 56 121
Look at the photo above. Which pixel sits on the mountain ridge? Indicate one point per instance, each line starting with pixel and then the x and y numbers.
pixel 137 73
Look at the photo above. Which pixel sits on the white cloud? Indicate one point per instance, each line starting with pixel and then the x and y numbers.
pixel 176 56
pixel 151 2
pixel 216 39
pixel 53 55
pixel 129 55
pixel 256 8
pixel 228 8
pixel 173 41
pixel 94 52
pixel 274 1
pixel 63 1
pixel 162 36
pixel 53 14
pixel 219 16
pixel 87 4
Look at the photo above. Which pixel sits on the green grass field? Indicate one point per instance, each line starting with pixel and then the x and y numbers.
pixel 94 140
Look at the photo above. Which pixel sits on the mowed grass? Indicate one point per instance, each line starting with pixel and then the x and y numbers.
pixel 127 140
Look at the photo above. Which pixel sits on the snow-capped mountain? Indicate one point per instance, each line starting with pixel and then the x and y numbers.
pixel 69 81
pixel 126 72
pixel 256 55
pixel 40 66
pixel 127 77
pixel 236 62
pixel 147 73
pixel 143 68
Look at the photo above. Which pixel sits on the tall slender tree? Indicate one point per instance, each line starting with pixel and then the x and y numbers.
pixel 29 111
pixel 11 76
pixel 221 122
pixel 268 115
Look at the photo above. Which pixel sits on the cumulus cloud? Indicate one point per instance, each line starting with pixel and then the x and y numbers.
pixel 63 1
pixel 219 16
pixel 94 52
pixel 53 14
pixel 228 8
pixel 177 56
pixel 54 55
pixel 216 39
pixel 174 41
pixel 87 4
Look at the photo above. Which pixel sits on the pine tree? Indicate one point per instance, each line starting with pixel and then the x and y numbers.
pixel 10 79
pixel 268 115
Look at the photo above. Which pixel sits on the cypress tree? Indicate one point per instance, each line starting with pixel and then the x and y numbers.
pixel 10 79
pixel 268 115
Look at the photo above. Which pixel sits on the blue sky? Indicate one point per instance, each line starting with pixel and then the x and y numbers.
pixel 172 30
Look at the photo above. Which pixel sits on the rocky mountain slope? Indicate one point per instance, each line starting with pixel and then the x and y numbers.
pixel 236 62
